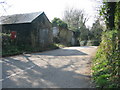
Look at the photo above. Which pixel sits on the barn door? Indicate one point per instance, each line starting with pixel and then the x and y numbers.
pixel 44 37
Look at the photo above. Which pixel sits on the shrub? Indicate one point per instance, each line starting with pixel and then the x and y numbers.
pixel 106 64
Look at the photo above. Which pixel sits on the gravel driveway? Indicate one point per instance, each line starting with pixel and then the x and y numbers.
pixel 62 68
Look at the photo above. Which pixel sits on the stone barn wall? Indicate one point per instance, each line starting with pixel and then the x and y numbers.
pixel 64 36
pixel 55 31
pixel 42 29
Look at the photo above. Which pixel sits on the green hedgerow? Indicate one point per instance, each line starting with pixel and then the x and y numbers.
pixel 106 63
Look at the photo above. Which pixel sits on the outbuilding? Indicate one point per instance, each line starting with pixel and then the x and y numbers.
pixel 31 29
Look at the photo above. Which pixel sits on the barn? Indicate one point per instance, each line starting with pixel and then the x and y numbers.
pixel 64 36
pixel 31 29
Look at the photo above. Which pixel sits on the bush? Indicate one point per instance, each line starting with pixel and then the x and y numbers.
pixel 20 49
pixel 106 64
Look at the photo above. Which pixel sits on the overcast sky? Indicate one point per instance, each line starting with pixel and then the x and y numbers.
pixel 52 8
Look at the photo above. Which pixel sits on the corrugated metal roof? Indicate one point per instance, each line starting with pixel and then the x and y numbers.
pixel 19 18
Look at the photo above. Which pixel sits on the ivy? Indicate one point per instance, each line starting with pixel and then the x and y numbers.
pixel 58 22
pixel 106 64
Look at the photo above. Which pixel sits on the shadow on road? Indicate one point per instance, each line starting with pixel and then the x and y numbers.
pixel 62 52
pixel 43 77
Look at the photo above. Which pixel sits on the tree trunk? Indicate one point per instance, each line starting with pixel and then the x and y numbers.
pixel 110 15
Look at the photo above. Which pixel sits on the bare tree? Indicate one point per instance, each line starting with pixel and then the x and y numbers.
pixel 75 18
pixel 5 6
pixel 2 3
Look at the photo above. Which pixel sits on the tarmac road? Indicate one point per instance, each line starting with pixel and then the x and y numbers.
pixel 68 67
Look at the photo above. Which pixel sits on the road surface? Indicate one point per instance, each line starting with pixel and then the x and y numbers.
pixel 62 68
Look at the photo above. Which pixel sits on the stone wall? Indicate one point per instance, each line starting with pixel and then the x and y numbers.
pixel 65 36
pixel 42 28
pixel 55 32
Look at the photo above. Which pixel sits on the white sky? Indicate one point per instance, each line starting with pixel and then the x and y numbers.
pixel 52 8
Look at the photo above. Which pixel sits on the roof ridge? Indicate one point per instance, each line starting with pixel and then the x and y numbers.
pixel 22 13
pixel 19 18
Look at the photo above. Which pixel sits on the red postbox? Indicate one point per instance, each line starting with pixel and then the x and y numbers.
pixel 13 35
